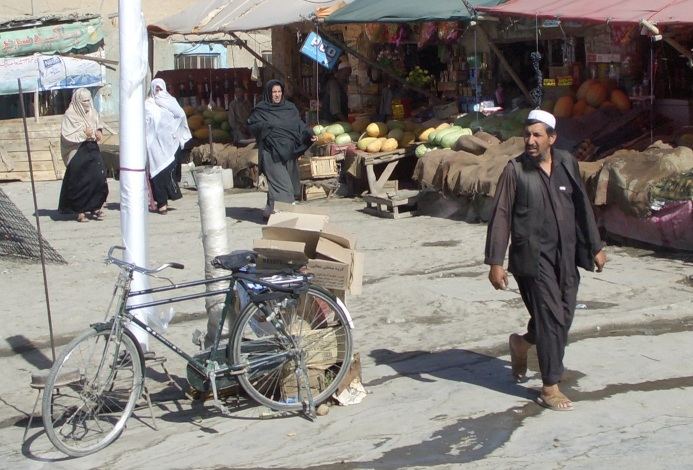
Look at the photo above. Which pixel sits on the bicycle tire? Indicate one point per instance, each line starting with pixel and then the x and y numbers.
pixel 321 331
pixel 91 391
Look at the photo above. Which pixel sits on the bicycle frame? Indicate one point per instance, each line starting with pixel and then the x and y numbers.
pixel 209 368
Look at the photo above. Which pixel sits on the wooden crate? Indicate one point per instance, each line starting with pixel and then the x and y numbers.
pixel 317 167
pixel 397 206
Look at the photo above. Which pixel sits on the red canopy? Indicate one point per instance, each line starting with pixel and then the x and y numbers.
pixel 660 12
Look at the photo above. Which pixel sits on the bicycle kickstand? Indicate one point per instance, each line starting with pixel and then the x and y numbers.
pixel 211 375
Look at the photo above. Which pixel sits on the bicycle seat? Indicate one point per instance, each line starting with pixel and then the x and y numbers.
pixel 235 260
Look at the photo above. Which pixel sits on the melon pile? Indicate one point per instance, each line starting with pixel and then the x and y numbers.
pixel 200 118
pixel 370 137
pixel 592 95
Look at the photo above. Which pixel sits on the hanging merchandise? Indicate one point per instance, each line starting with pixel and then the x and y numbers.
pixel 375 32
pixel 427 33
pixel 448 31
pixel 255 72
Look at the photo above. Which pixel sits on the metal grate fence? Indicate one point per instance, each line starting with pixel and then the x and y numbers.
pixel 19 238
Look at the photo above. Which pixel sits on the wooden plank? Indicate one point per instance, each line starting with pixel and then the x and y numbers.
pixel 41 165
pixel 25 176
pixel 37 155
pixel 58 165
pixel 35 134
pixel 19 146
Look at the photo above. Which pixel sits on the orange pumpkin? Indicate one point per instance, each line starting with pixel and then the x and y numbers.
pixel 589 110
pixel 620 99
pixel 582 91
pixel 579 108
pixel 607 104
pixel 597 93
pixel 563 107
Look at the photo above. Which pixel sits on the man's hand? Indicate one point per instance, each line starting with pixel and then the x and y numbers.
pixel 498 277
pixel 600 260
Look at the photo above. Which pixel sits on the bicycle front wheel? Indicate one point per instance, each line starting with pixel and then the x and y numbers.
pixel 309 344
pixel 92 390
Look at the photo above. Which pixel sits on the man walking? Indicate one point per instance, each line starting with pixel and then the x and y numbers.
pixel 541 205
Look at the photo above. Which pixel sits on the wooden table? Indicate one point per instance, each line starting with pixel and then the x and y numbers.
pixel 380 201
pixel 376 186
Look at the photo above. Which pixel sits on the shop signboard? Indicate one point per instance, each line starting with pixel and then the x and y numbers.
pixel 48 72
pixel 321 51
pixel 50 39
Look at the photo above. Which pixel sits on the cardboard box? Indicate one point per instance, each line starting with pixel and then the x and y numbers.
pixel 311 193
pixel 298 209
pixel 334 233
pixel 332 251
pixel 330 274
pixel 356 280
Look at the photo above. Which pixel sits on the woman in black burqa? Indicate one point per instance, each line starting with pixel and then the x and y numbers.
pixel 84 189
pixel 282 137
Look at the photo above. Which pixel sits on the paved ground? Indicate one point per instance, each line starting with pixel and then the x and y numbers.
pixel 432 337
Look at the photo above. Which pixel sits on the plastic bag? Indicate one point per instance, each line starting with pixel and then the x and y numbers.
pixel 159 320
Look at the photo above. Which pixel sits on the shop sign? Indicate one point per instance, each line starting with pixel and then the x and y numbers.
pixel 321 51
pixel 51 39
pixel 604 58
pixel 48 72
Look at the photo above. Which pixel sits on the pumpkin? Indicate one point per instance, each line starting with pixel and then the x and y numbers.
pixel 442 126
pixel 607 104
pixel 596 94
pixel 582 91
pixel 563 107
pixel 579 108
pixel 620 100
pixel 202 133
pixel 589 110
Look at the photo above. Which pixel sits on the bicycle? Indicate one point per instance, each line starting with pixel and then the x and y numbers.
pixel 289 349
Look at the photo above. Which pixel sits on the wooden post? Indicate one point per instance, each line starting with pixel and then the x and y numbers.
pixel 36 104
pixel 504 63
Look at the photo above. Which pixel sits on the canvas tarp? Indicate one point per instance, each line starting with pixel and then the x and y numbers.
pixel 215 16
pixel 405 11
pixel 660 12
pixel 458 173
pixel 639 182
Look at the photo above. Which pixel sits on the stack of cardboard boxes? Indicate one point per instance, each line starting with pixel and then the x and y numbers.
pixel 295 234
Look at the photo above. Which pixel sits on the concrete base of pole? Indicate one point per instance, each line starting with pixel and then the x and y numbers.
pixel 210 193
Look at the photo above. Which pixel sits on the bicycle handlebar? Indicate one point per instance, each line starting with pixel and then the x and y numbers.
pixel 133 267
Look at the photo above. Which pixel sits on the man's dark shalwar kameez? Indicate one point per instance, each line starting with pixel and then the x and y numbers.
pixel 552 230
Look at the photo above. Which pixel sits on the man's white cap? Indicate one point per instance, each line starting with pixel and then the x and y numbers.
pixel 542 116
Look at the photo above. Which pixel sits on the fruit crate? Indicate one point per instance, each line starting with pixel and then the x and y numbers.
pixel 317 167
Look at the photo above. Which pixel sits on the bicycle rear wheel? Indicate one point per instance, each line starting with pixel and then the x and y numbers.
pixel 91 391
pixel 311 327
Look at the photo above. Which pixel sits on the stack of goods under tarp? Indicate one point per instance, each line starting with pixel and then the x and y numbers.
pixel 646 196
pixel 242 161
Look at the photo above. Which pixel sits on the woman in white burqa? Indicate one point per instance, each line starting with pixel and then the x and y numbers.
pixel 167 131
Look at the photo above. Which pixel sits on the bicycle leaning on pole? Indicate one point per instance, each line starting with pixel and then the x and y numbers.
pixel 289 349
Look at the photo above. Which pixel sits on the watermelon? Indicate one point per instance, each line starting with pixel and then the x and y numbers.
pixel 342 139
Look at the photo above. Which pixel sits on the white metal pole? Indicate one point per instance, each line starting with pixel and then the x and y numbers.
pixel 133 189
